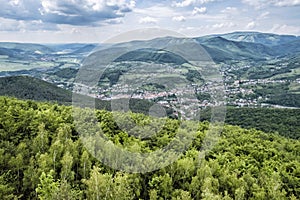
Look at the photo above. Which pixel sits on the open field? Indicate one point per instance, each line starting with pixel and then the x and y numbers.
pixel 6 65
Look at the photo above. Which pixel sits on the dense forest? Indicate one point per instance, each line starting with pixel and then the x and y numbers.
pixel 285 122
pixel 25 87
pixel 42 157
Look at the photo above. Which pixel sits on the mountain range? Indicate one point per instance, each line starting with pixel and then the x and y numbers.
pixel 231 46
pixel 235 46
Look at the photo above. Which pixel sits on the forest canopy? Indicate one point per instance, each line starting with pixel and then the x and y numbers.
pixel 42 157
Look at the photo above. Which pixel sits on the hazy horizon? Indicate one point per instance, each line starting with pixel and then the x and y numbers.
pixel 91 42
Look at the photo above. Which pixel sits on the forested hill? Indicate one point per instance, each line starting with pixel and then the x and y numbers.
pixel 270 120
pixel 283 121
pixel 29 88
pixel 42 157
pixel 25 87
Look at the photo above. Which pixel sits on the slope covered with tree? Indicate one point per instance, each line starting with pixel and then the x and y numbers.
pixel 29 88
pixel 42 157
pixel 25 87
pixel 285 122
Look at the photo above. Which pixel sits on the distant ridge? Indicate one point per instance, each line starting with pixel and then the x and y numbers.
pixel 26 47
pixel 252 46
pixel 269 39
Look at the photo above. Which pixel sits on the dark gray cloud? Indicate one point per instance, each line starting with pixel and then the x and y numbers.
pixel 73 12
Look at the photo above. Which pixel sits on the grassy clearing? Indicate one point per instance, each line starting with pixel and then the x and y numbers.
pixel 287 75
pixel 294 88
pixel 17 66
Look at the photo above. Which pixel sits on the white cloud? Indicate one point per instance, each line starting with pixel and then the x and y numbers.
pixel 224 25
pixel 206 29
pixel 278 3
pixel 186 3
pixel 264 15
pixel 251 25
pixel 148 20
pixel 156 11
pixel 229 10
pixel 231 13
pixel 179 19
pixel 9 25
pixel 198 10
pixel 90 20
pixel 74 12
pixel 113 21
pixel 283 3
pixel 285 29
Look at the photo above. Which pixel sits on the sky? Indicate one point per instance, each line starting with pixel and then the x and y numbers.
pixel 95 21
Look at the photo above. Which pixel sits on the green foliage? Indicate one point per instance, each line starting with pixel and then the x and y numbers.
pixel 41 157
pixel 105 186
pixel 194 76
pixel 152 55
pixel 31 88
pixel 285 122
pixel 48 187
pixel 67 73
pixel 291 100
pixel 278 94
pixel 6 190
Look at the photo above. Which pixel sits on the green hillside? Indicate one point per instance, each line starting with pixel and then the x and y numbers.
pixel 42 157
pixel 285 122
pixel 221 49
pixel 25 87
pixel 233 46
pixel 152 55
pixel 66 73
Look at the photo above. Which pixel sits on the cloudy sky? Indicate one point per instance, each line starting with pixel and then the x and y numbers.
pixel 57 21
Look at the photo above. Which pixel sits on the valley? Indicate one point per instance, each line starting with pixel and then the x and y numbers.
pixel 255 72
pixel 151 124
